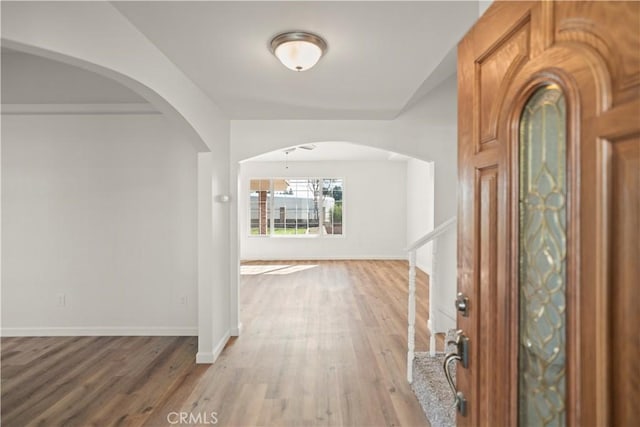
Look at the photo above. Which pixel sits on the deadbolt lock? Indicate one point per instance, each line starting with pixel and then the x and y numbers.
pixel 462 304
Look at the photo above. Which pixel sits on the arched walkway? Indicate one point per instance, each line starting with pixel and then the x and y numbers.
pixel 112 47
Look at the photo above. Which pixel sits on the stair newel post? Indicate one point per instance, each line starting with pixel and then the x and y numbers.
pixel 411 332
pixel 432 283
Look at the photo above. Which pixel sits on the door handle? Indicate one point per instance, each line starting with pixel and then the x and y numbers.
pixel 462 355
pixel 459 402
pixel 462 348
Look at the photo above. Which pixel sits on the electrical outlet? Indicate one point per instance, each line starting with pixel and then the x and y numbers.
pixel 62 300
pixel 184 300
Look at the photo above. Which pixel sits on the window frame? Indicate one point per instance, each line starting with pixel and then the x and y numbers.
pixel 271 204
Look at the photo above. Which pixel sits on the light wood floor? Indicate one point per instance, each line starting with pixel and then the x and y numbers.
pixel 324 343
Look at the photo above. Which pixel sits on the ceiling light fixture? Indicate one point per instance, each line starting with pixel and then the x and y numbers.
pixel 298 50
pixel 286 156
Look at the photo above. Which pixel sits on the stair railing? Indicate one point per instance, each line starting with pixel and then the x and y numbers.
pixel 411 332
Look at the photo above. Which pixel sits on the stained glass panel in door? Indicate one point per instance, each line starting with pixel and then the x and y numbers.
pixel 542 259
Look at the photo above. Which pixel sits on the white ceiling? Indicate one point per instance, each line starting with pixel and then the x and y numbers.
pixel 380 54
pixel 383 57
pixel 330 150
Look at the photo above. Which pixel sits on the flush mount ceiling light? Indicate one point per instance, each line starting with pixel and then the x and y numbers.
pixel 298 50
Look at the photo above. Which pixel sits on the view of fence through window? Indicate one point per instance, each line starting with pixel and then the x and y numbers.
pixel 296 206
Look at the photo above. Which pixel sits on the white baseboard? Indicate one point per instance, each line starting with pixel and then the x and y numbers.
pixel 206 357
pixel 402 257
pixel 236 332
pixel 100 331
pixel 220 346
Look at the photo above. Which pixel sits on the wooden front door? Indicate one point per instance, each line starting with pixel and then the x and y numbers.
pixel 549 214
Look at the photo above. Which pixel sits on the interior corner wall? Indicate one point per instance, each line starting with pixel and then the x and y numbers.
pixel 420 200
pixel 99 226
pixel 374 212
pixel 430 127
pixel 224 320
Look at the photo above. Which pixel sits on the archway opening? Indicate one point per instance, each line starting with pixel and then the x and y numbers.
pixel 385 202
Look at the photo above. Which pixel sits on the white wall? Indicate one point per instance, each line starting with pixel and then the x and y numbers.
pixel 102 209
pixel 224 321
pixel 483 5
pixel 374 212
pixel 420 208
pixel 52 29
pixel 431 128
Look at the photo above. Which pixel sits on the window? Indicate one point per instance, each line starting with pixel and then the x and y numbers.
pixel 296 207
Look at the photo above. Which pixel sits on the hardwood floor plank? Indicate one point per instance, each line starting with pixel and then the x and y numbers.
pixel 37 393
pixel 324 344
